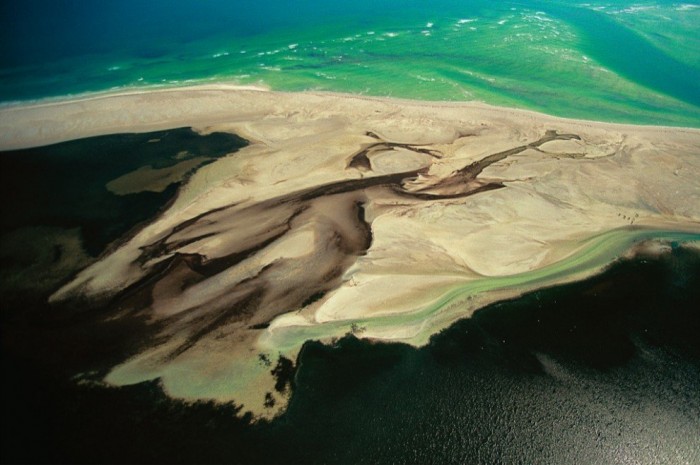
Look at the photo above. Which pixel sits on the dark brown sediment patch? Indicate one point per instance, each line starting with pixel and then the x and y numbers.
pixel 464 182
pixel 362 221
pixel 361 160
pixel 246 306
pixel 474 188
pixel 253 302
pixel 161 247
pixel 473 170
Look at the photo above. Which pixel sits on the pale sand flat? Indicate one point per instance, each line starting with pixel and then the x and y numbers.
pixel 314 257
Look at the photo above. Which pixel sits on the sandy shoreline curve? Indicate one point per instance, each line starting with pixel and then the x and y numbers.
pixel 89 95
pixel 386 218
pixel 15 116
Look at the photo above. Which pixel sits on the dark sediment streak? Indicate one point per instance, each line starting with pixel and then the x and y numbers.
pixel 472 171
pixel 244 308
pixel 361 160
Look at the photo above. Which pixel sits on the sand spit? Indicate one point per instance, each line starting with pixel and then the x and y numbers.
pixel 386 218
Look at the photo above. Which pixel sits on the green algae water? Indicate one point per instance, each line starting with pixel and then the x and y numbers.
pixel 623 61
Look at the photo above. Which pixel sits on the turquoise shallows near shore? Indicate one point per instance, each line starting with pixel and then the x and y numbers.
pixel 635 62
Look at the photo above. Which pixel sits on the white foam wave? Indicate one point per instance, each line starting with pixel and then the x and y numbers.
pixel 540 16
pixel 325 76
pixel 269 52
pixel 635 9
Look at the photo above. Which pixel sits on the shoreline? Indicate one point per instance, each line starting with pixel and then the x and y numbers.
pixel 225 84
pixel 124 91
pixel 12 110
pixel 438 104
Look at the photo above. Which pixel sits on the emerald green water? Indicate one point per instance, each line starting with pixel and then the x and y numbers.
pixel 624 62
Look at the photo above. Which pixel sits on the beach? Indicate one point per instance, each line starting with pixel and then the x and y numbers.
pixel 389 219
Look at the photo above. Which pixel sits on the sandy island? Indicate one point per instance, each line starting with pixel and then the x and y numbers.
pixel 387 218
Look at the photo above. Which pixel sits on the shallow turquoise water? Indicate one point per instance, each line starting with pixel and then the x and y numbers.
pixel 622 61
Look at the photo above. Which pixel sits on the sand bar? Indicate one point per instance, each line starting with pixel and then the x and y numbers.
pixel 388 218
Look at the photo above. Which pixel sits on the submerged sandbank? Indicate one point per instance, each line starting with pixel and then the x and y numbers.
pixel 387 218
